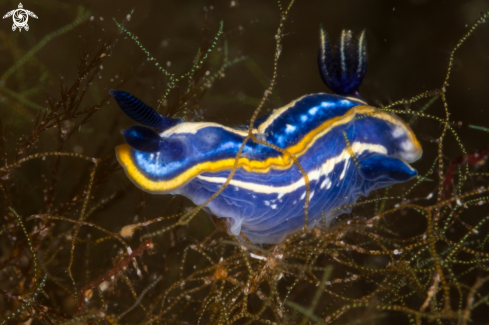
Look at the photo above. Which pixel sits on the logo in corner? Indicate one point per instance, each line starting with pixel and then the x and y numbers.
pixel 20 17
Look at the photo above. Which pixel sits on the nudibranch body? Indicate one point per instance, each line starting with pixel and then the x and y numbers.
pixel 346 147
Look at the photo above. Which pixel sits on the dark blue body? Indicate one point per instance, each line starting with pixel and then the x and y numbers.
pixel 346 147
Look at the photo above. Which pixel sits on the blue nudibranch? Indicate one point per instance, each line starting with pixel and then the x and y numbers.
pixel 265 199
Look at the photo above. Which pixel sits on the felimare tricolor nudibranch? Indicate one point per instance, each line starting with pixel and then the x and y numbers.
pixel 265 198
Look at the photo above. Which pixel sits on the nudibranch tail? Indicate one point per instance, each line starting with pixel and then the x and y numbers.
pixel 142 113
pixel 343 70
pixel 382 168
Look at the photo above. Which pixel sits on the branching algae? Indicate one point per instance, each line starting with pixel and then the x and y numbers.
pixel 64 264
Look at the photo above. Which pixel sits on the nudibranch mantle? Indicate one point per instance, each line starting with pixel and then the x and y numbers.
pixel 265 198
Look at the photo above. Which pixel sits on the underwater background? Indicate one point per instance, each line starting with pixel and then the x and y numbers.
pixel 74 230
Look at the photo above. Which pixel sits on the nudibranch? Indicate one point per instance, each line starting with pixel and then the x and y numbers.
pixel 346 147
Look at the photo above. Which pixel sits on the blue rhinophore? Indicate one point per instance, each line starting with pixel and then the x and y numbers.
pixel 142 113
pixel 142 138
pixel 265 198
